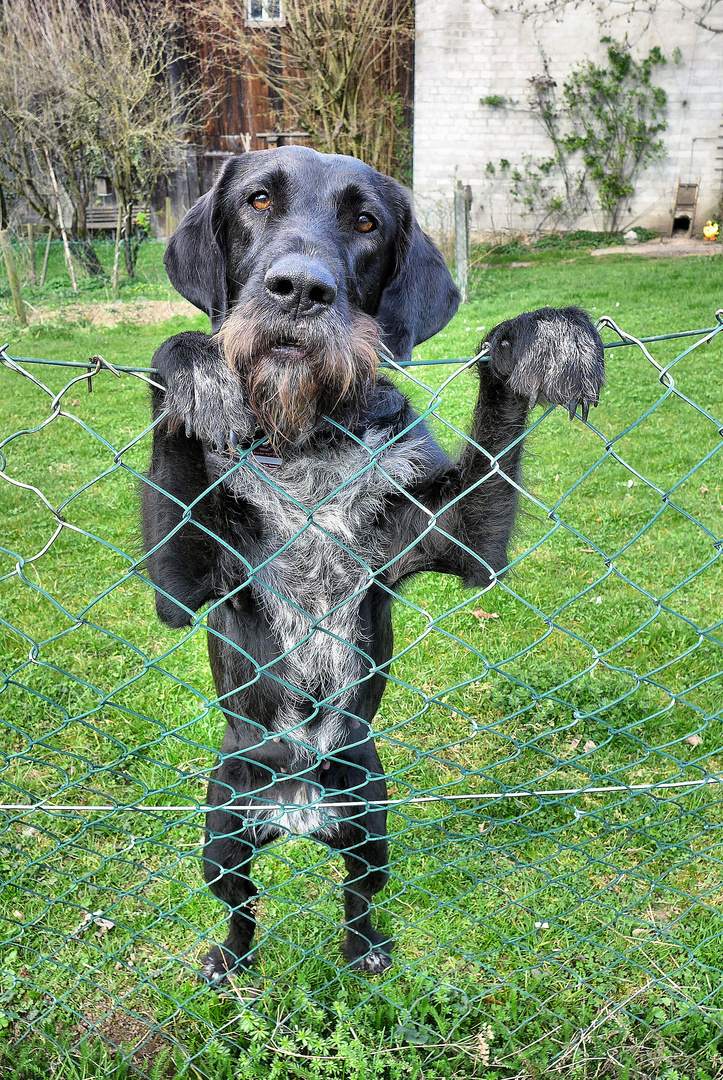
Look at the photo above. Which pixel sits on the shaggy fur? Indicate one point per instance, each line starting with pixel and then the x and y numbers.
pixel 300 560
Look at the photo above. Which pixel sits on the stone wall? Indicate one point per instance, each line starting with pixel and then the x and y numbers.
pixel 465 51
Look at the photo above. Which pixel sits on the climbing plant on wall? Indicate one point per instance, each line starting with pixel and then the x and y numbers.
pixel 605 128
pixel 614 120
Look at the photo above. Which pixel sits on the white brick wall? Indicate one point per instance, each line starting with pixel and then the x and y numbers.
pixel 465 52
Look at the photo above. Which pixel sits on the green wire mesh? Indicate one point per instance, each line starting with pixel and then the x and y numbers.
pixel 552 747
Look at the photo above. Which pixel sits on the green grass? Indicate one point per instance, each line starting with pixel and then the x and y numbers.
pixel 623 971
pixel 150 282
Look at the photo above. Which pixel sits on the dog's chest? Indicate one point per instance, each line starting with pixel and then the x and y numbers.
pixel 322 536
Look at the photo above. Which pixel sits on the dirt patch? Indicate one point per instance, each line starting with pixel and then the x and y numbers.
pixel 664 247
pixel 138 1038
pixel 137 312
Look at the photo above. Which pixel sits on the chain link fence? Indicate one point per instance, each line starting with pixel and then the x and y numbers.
pixel 552 746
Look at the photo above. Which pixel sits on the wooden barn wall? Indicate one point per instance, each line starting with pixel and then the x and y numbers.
pixel 239 102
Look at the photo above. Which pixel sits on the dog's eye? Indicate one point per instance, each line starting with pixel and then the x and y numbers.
pixel 364 223
pixel 261 201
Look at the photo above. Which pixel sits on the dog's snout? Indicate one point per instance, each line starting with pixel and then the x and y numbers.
pixel 301 285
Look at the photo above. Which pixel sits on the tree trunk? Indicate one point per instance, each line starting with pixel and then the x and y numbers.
pixel 80 240
pixel 130 250
pixel 31 246
pixel 47 254
pixel 61 224
pixel 13 277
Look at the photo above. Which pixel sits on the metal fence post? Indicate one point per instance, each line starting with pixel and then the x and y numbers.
pixel 462 203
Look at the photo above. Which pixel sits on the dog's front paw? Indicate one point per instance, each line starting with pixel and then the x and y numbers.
pixel 202 393
pixel 219 963
pixel 556 355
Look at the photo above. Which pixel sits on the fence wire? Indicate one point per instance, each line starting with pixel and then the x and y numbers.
pixel 552 746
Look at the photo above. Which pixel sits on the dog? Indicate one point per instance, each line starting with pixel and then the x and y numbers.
pixel 294 490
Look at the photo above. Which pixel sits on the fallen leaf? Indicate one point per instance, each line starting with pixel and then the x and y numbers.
pixel 104 925
pixel 589 745
pixel 587 551
pixel 694 740
pixel 639 931
pixel 704 490
pixel 574 744
pixel 480 614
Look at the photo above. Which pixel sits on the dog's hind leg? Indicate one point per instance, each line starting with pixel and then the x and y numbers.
pixel 366 858
pixel 227 863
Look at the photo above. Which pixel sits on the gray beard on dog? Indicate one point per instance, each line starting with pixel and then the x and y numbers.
pixel 293 378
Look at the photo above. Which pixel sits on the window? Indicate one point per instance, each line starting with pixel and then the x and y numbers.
pixel 264 12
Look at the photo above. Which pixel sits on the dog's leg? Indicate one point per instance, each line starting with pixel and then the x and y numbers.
pixel 227 863
pixel 181 554
pixel 202 394
pixel 366 948
pixel 549 354
pixel 364 846
pixel 471 504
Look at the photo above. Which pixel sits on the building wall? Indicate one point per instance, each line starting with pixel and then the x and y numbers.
pixel 465 52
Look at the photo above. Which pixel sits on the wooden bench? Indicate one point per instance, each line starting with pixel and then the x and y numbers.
pixel 105 218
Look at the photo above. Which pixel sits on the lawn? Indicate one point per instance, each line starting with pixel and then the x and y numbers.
pixel 535 934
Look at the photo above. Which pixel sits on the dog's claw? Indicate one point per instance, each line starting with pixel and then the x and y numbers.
pixel 572 408
pixel 189 429
pixel 533 399
pixel 585 409
pixel 232 439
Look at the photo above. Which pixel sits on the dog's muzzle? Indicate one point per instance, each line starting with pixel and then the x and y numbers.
pixel 299 352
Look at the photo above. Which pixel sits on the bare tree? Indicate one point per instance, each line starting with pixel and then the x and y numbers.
pixel 45 110
pixel 141 119
pixel 88 86
pixel 333 64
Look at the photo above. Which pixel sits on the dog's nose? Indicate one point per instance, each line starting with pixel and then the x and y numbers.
pixel 301 285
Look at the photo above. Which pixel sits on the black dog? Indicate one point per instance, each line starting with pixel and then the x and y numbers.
pixel 301 492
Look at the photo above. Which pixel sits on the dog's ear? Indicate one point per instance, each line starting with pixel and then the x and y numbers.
pixel 420 298
pixel 195 259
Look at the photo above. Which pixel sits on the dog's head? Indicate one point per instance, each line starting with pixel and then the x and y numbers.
pixel 303 261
